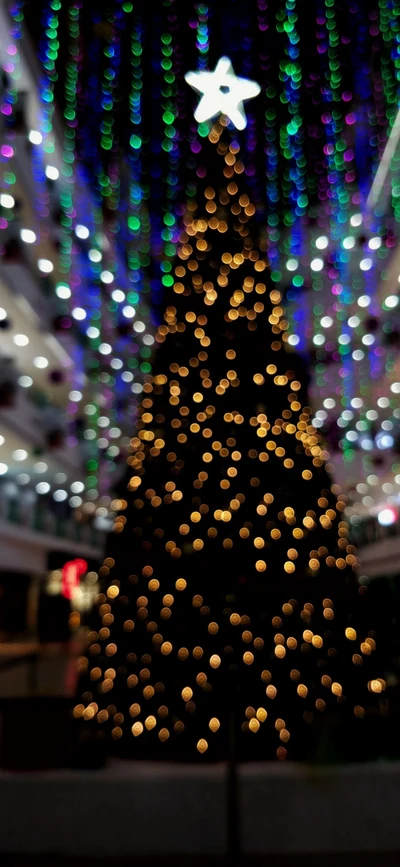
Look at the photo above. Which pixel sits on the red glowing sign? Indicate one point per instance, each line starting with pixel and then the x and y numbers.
pixel 71 574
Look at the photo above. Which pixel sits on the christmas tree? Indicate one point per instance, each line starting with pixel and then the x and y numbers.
pixel 230 584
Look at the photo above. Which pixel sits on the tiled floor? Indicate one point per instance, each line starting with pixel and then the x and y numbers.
pixel 339 860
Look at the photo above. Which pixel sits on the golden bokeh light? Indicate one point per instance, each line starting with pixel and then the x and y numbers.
pixel 232 539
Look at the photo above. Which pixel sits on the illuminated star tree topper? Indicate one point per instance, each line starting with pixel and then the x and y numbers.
pixel 223 92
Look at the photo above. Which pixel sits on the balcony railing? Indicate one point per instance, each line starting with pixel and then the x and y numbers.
pixel 38 516
pixel 370 531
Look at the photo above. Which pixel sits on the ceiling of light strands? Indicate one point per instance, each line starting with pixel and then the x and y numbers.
pixel 315 139
pixel 62 278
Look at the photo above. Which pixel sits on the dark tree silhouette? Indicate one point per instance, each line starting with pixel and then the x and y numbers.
pixel 230 583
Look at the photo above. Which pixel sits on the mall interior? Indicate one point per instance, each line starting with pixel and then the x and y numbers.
pixel 199 378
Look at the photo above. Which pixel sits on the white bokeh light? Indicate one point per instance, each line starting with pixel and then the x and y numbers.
pixel 35 137
pixel 63 291
pixel 386 517
pixel 92 332
pixel 45 266
pixel 368 339
pixel 41 362
pixel 25 381
pixel 20 455
pixel 60 495
pixel 23 478
pixel 43 487
pixel 77 487
pixel 317 264
pixel 375 243
pixel 27 236
pixel 21 339
pixel 118 295
pixel 7 201
pixel 105 348
pixel 52 173
pixel 82 232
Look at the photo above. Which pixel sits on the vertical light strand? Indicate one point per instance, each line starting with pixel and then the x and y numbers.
pixel 369 357
pixel 271 141
pixel 394 10
pixel 136 193
pixel 68 167
pixel 202 35
pixel 70 271
pixel 336 149
pixel 169 145
pixel 8 109
pixel 49 49
pixel 94 268
pixel 117 317
pixel 48 54
pixel 103 262
pixel 366 361
pixel 337 208
pixel 377 114
pixel 292 139
pixel 138 222
pixel 112 226
pixel 291 134
pixel 249 58
pixel 389 28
